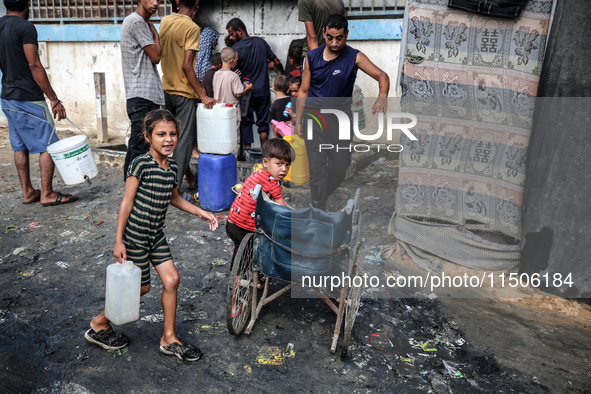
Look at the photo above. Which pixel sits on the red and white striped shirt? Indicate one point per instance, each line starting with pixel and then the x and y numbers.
pixel 243 207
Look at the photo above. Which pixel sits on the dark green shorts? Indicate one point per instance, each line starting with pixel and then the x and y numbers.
pixel 142 255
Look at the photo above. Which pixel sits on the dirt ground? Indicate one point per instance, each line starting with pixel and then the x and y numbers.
pixel 52 273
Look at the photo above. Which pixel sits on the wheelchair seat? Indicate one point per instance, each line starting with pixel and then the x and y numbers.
pixel 289 244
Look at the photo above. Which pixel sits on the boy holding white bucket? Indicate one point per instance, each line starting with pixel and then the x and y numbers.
pixel 30 127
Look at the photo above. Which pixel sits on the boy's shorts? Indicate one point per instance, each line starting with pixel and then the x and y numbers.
pixel 142 255
pixel 30 125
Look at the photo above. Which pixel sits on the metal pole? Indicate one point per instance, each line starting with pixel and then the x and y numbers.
pixel 102 132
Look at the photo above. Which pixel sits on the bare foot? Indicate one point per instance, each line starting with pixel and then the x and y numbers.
pixel 165 341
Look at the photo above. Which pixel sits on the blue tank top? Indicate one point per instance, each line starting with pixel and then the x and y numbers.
pixel 335 78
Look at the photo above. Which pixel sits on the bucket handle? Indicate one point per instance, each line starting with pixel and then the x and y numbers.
pixel 54 127
pixel 41 119
pixel 52 131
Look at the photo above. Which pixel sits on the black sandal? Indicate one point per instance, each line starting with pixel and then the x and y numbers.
pixel 107 339
pixel 184 352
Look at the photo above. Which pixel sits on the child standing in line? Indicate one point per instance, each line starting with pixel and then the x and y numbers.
pixel 294 86
pixel 150 187
pixel 277 157
pixel 216 64
pixel 227 87
pixel 277 110
pixel 295 59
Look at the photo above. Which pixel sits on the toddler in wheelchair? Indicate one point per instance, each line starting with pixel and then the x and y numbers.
pixel 277 156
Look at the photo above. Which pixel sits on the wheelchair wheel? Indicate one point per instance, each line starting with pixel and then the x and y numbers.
pixel 239 298
pixel 352 306
pixel 350 314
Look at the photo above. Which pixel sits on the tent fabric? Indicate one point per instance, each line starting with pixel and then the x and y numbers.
pixel 471 81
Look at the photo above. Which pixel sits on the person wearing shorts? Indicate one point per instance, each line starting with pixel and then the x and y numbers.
pixel 149 189
pixel 24 81
pixel 156 252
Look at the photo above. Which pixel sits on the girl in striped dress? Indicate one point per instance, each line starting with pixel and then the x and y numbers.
pixel 151 186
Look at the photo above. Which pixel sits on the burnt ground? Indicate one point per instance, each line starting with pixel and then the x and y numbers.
pixel 52 274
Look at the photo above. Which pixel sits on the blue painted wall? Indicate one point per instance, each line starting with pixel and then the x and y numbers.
pixel 359 30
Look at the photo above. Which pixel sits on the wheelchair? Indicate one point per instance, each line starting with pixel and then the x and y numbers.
pixel 296 246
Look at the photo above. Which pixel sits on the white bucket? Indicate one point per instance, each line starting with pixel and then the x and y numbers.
pixel 73 158
pixel 216 129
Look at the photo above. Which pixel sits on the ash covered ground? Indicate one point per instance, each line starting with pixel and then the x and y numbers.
pixel 52 275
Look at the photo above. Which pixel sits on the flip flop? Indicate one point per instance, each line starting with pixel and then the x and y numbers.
pixel 58 200
pixel 36 199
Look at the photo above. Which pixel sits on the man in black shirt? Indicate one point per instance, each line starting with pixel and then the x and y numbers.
pixel 24 81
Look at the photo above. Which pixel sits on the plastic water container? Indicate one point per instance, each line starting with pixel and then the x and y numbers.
pixel 216 129
pixel 217 174
pixel 281 128
pixel 122 298
pixel 73 158
pixel 253 155
pixel 299 171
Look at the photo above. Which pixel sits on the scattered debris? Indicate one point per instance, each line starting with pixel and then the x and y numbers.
pixel 119 352
pixel 216 327
pixel 452 369
pixel 275 355
pixel 218 262
pixel 373 255
pixel 156 318
pixel 18 251
pixel 428 347
pixel 379 340
pixel 62 264
pixel 77 217
pixel 33 225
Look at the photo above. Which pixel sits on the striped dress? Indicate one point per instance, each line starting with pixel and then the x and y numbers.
pixel 146 220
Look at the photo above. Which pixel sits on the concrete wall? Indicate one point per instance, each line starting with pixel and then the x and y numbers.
pixel 74 54
pixel 277 22
pixel 71 69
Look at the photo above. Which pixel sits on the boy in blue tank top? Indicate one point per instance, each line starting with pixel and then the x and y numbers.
pixel 327 83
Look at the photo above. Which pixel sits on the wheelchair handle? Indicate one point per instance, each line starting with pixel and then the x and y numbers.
pixel 352 203
pixel 349 207
pixel 256 192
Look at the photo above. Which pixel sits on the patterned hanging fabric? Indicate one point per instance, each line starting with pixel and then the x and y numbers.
pixel 471 80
